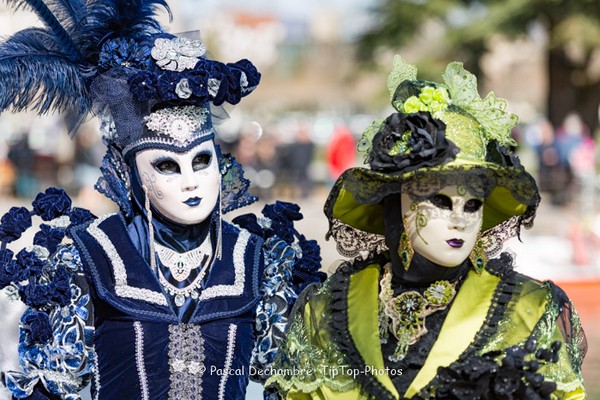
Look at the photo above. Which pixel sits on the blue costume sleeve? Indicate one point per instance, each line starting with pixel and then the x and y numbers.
pixel 292 262
pixel 55 342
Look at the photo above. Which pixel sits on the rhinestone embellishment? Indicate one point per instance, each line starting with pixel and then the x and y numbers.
pixel 178 123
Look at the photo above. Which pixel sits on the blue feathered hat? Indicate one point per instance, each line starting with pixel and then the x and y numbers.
pixel 113 58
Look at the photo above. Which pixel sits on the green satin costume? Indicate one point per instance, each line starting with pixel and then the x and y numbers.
pixel 340 318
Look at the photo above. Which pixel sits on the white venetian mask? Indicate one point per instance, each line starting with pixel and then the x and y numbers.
pixel 444 228
pixel 184 187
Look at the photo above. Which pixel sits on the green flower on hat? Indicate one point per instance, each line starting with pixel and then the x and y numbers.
pixel 430 99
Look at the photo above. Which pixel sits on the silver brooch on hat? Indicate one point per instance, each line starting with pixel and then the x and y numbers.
pixel 179 123
pixel 177 54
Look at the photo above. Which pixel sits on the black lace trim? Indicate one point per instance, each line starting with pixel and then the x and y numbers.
pixel 502 268
pixel 504 293
pixel 340 332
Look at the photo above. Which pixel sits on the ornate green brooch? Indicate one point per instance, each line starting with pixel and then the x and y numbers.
pixel 404 315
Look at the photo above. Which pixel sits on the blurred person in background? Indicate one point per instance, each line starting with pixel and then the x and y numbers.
pixel 292 162
pixel 87 155
pixel 341 151
pixel 23 159
pixel 266 158
pixel 569 137
pixel 7 174
pixel 553 175
pixel 299 156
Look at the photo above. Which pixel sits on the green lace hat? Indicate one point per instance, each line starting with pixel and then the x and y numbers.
pixel 443 134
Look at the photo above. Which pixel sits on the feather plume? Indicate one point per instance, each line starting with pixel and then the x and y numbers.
pixel 35 74
pixel 110 19
pixel 50 69
pixel 70 13
pixel 59 34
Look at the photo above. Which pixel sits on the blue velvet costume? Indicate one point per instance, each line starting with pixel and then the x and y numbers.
pixel 134 343
pixel 139 336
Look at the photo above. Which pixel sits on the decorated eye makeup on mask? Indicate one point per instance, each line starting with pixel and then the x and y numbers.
pixel 169 166
pixel 445 203
pixel 188 182
pixel 201 161
pixel 444 227
pixel 166 166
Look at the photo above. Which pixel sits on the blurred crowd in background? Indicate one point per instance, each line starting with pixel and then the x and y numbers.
pixel 292 157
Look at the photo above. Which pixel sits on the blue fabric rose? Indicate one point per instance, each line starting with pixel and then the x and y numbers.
pixel 48 237
pixel 217 74
pixel 306 271
pixel 61 286
pixel 143 85
pixel 30 264
pixel 51 204
pixel 250 223
pixel 311 252
pixel 282 215
pixel 9 270
pixel 37 326
pixel 12 225
pixel 233 87
pixel 289 210
pixel 80 216
pixel 124 52
pixel 167 83
pixel 198 81
pixel 36 295
pixel 252 74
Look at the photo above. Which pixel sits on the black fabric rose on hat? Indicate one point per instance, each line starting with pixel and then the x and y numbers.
pixel 407 142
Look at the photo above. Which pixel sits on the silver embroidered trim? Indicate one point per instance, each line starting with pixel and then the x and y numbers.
pixel 181 124
pixel 96 377
pixel 228 360
pixel 62 377
pixel 177 54
pixel 186 361
pixel 122 289
pixel 240 272
pixel 139 359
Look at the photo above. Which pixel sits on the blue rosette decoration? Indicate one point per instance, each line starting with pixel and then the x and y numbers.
pixel 292 262
pixel 55 343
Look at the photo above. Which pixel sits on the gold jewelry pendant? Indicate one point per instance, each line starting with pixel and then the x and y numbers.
pixel 405 251
pixel 478 256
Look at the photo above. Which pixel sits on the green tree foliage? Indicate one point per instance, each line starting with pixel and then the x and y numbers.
pixel 573 45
